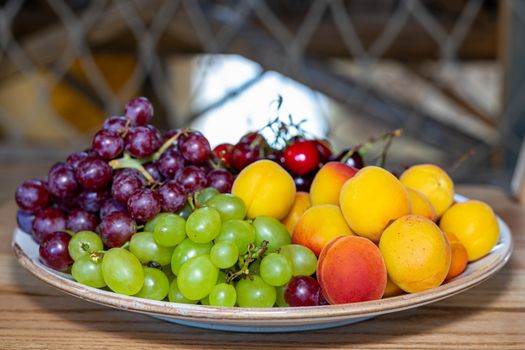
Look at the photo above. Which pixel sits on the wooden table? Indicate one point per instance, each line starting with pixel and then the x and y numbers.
pixel 489 316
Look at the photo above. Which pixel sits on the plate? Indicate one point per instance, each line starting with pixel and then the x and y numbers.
pixel 272 319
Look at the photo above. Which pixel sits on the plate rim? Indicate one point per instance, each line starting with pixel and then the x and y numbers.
pixel 274 315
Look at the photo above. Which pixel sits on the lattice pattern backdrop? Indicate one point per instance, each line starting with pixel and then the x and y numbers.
pixel 445 71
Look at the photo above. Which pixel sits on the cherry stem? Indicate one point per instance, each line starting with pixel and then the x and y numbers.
pixel 461 160
pixel 127 162
pixel 388 137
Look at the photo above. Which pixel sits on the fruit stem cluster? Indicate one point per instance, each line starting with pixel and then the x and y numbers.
pixel 254 253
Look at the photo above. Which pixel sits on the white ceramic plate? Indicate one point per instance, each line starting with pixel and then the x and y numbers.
pixel 272 319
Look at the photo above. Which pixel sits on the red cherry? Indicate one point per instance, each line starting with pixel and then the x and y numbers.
pixel 301 157
pixel 224 152
pixel 253 138
pixel 323 148
pixel 242 155
pixel 355 160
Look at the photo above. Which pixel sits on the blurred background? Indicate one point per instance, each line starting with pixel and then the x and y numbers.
pixel 449 72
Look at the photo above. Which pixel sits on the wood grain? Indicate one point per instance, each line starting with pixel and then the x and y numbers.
pixel 489 316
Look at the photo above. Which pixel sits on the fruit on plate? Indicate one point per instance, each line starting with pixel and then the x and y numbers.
pixel 299 206
pixel 421 205
pixel 416 253
pixel 371 199
pixel 474 224
pixel 458 256
pixel 328 182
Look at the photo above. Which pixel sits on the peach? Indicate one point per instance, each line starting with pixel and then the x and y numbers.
pixel 416 253
pixel 371 200
pixel 459 257
pixel 474 224
pixel 318 226
pixel 433 182
pixel 328 181
pixel 299 206
pixel 266 188
pixel 351 269
pixel 421 205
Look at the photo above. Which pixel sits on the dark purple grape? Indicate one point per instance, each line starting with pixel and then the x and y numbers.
pixel 112 206
pixel 143 205
pixel 32 195
pixel 170 163
pixel 303 182
pixel 172 197
pixel 128 172
pixel 124 186
pixel 221 179
pixel 61 181
pixel 242 155
pixel 158 134
pixel 303 291
pixel 139 110
pixel 81 220
pixel 116 229
pixel 107 144
pixel 93 174
pixel 48 221
pixel 194 147
pixel 66 204
pixel 25 220
pixel 153 169
pixel 54 251
pixel 191 179
pixel 92 201
pixel 170 133
pixel 116 124
pixel 141 141
pixel 75 158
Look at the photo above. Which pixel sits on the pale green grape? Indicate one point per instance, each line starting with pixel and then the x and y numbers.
pixel 150 225
pixel 84 242
pixel 229 206
pixel 223 294
pixel 185 212
pixel 221 278
pixel 205 300
pixel 86 271
pixel 203 225
pixel 156 285
pixel 197 277
pixel 303 260
pixel 175 296
pixel 239 232
pixel 144 247
pixel 275 269
pixel 255 292
pixel 271 230
pixel 169 230
pixel 205 194
pixel 122 271
pixel 186 250
pixel 280 296
pixel 224 254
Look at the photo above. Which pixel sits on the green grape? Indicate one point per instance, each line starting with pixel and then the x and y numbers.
pixel 169 230
pixel 303 260
pixel 205 194
pixel 185 212
pixel 87 271
pixel 276 269
pixel 271 230
pixel 84 242
pixel 229 206
pixel 156 285
pixel 205 300
pixel 150 225
pixel 224 254
pixel 144 247
pixel 254 292
pixel 223 294
pixel 122 271
pixel 175 296
pixel 280 296
pixel 239 232
pixel 203 225
pixel 167 271
pixel 197 277
pixel 186 250
pixel 221 278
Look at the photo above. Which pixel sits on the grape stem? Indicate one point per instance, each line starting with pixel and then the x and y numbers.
pixel 254 253
pixel 168 144
pixel 127 162
pixel 96 257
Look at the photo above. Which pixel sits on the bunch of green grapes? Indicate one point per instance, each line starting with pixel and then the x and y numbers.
pixel 209 255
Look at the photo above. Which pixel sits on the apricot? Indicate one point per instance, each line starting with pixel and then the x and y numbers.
pixel 416 253
pixel 433 182
pixel 459 256
pixel 328 181
pixel 474 224
pixel 371 200
pixel 391 289
pixel 266 188
pixel 318 226
pixel 351 269
pixel 299 206
pixel 420 204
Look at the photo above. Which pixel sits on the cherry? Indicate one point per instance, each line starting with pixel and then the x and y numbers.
pixel 301 157
pixel 224 153
pixel 243 155
pixel 323 148
pixel 351 158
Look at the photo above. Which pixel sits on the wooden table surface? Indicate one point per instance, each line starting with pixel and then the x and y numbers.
pixel 489 316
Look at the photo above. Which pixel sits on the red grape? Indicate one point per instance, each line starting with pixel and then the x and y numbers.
pixel 116 229
pixel 107 144
pixel 75 158
pixel 301 157
pixel 172 197
pixel 191 179
pixel 170 163
pixel 153 169
pixel 48 221
pixel 25 221
pixel 144 204
pixel 303 291
pixel 220 179
pixel 61 181
pixel 116 124
pixel 32 195
pixel 93 174
pixel 139 110
pixel 92 201
pixel 54 251
pixel 111 206
pixel 194 147
pixel 224 152
pixel 141 141
pixel 81 220
pixel 124 186
pixel 243 155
